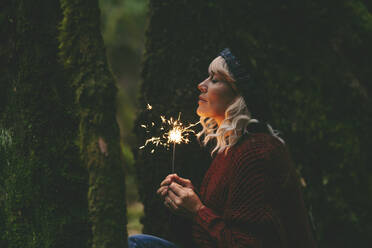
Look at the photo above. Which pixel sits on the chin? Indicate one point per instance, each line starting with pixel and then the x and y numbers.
pixel 204 111
pixel 200 112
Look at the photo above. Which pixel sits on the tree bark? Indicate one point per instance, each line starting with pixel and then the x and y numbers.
pixel 44 187
pixel 83 54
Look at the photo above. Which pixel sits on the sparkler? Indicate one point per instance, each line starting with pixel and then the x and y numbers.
pixel 174 132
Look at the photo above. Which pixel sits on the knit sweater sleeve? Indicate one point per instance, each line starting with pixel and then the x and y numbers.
pixel 246 212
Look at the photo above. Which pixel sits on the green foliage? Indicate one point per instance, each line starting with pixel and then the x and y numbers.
pixel 314 59
pixel 123 29
pixel 123 25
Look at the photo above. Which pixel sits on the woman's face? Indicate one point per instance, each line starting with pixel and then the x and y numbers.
pixel 215 96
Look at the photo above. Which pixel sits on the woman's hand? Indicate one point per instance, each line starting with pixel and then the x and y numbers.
pixel 164 185
pixel 182 200
pixel 179 195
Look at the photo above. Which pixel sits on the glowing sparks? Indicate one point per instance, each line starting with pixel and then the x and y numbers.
pixel 175 135
pixel 174 132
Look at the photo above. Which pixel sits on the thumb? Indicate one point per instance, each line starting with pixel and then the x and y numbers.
pixel 182 181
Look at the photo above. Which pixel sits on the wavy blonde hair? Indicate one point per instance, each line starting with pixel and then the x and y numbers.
pixel 237 117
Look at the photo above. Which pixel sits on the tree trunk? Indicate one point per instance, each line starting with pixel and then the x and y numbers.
pixel 43 185
pixel 83 54
pixel 313 56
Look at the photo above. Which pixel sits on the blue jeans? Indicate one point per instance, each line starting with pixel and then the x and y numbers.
pixel 148 241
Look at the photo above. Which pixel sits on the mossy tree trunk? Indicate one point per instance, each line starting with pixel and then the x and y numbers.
pixel 313 56
pixel 83 54
pixel 46 177
pixel 43 183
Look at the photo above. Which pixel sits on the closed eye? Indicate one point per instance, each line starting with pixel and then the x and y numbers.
pixel 213 80
pixel 211 75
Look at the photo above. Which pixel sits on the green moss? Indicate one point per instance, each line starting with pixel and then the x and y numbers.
pixel 42 175
pixel 83 54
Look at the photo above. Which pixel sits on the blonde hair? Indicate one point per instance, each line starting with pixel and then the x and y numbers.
pixel 237 117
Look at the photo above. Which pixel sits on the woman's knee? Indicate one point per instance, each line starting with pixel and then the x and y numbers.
pixel 140 241
pixel 146 241
pixel 134 241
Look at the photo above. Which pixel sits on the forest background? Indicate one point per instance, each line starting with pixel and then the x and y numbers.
pixel 62 103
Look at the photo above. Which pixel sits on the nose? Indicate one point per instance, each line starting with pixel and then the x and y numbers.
pixel 202 87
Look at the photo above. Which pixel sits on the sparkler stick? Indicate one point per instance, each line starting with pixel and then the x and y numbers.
pixel 174 155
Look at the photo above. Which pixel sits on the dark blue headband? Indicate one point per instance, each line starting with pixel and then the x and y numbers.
pixel 239 73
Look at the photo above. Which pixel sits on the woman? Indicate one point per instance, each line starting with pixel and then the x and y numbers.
pixel 250 195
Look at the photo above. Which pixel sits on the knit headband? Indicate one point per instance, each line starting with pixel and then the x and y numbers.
pixel 239 73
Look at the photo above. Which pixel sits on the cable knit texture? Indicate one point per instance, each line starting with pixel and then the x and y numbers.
pixel 253 199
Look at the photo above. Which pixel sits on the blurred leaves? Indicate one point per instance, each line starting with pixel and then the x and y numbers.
pixel 123 24
pixel 123 30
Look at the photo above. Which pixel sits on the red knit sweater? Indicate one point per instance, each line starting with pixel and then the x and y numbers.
pixel 253 199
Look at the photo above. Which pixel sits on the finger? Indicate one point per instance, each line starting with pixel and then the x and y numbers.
pixel 162 190
pixel 167 204
pixel 170 203
pixel 172 175
pixel 174 204
pixel 175 199
pixel 168 180
pixel 182 181
pixel 176 188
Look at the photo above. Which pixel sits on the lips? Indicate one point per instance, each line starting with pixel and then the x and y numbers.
pixel 202 99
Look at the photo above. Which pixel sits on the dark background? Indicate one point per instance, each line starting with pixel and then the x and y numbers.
pixel 313 56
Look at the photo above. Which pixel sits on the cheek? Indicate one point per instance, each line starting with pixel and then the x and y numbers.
pixel 219 108
pixel 220 102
